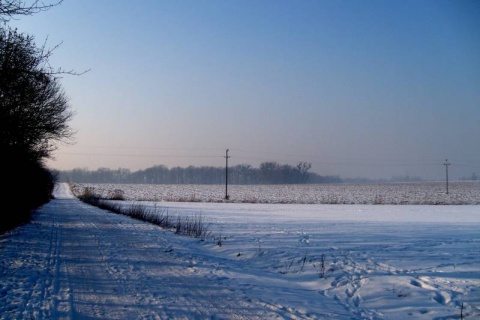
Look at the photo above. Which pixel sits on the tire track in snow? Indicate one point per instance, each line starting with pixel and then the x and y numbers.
pixel 27 270
pixel 93 271
pixel 95 264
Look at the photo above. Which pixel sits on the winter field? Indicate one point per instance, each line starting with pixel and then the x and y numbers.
pixel 377 261
pixel 259 261
pixel 421 193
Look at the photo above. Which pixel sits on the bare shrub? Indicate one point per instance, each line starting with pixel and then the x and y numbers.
pixel 116 194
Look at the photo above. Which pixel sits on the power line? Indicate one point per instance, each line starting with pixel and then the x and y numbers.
pixel 145 148
pixel 340 160
pixel 352 162
pixel 136 155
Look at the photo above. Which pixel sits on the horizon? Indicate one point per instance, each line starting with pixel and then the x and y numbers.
pixel 400 179
pixel 357 89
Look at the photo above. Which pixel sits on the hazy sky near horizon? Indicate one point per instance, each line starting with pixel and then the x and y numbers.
pixel 357 88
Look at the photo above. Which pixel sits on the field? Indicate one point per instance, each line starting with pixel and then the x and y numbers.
pixel 425 193
pixel 397 260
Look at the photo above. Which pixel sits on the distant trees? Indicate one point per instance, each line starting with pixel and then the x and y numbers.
pixel 34 113
pixel 267 173
pixel 274 173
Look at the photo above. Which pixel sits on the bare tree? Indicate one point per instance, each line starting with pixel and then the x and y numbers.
pixel 303 168
pixel 34 111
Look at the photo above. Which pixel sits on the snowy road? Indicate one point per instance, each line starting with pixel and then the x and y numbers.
pixel 75 261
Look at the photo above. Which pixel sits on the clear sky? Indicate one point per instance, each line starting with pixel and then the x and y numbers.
pixel 357 88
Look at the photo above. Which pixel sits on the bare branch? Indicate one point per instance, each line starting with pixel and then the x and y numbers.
pixel 58 73
pixel 12 8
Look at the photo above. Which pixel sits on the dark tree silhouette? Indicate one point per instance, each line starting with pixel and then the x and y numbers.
pixel 34 111
pixel 34 115
pixel 240 174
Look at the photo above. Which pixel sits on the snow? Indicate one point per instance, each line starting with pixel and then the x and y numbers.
pixel 75 261
pixel 413 193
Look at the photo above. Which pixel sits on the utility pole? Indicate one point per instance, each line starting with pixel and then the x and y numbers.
pixel 226 174
pixel 446 164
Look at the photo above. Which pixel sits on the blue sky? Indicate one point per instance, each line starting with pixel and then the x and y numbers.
pixel 358 88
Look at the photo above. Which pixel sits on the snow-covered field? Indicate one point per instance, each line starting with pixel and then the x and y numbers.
pixel 261 261
pixel 379 261
pixel 430 193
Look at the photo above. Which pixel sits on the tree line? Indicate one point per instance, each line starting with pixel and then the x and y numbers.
pixel 268 173
pixel 34 114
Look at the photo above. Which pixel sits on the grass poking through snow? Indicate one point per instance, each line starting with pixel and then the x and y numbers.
pixel 194 226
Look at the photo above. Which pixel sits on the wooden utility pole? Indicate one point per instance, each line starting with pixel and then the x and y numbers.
pixel 446 164
pixel 226 174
